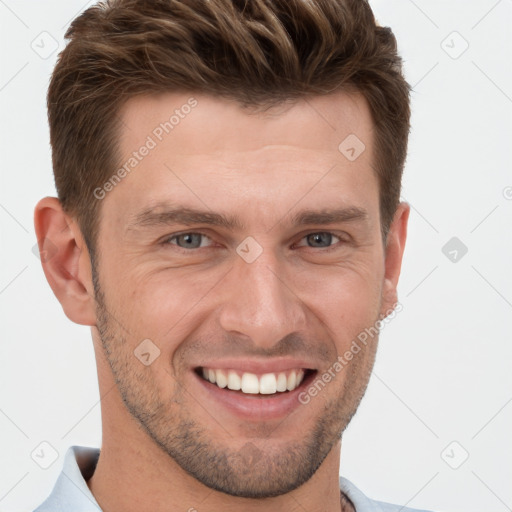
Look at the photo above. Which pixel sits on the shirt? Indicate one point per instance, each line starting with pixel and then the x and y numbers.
pixel 71 493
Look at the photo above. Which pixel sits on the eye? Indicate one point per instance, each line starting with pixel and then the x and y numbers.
pixel 320 239
pixel 188 240
pixel 191 240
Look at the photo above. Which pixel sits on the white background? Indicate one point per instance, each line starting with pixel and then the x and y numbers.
pixel 443 370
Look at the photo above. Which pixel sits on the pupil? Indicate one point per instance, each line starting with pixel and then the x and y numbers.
pixel 321 238
pixel 191 240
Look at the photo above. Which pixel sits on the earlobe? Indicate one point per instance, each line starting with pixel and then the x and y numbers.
pixel 394 251
pixel 65 260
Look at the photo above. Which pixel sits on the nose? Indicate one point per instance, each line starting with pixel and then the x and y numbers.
pixel 259 301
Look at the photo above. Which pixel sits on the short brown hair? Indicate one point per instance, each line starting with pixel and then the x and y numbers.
pixel 258 52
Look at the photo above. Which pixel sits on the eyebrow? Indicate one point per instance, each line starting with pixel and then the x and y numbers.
pixel 162 215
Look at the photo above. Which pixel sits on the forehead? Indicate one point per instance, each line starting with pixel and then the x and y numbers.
pixel 210 152
pixel 196 123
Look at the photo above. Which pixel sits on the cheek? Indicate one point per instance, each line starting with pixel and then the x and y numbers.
pixel 346 300
pixel 159 304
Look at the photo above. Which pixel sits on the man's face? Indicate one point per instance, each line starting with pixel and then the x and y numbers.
pixel 280 287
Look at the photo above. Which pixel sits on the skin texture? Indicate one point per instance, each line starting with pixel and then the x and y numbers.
pixel 166 446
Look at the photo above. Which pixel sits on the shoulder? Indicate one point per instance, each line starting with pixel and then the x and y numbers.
pixel 389 507
pixel 363 503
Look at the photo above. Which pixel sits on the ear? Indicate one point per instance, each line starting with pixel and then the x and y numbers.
pixel 394 251
pixel 65 260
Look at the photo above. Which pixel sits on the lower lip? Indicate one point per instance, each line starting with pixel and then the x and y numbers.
pixel 256 407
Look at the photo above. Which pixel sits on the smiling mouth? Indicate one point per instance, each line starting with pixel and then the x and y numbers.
pixel 251 384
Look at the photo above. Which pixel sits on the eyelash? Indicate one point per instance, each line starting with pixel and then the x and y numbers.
pixel 167 240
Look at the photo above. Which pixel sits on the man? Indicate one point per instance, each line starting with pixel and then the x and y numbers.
pixel 228 223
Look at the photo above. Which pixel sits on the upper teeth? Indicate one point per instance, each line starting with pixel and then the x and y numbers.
pixel 267 384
